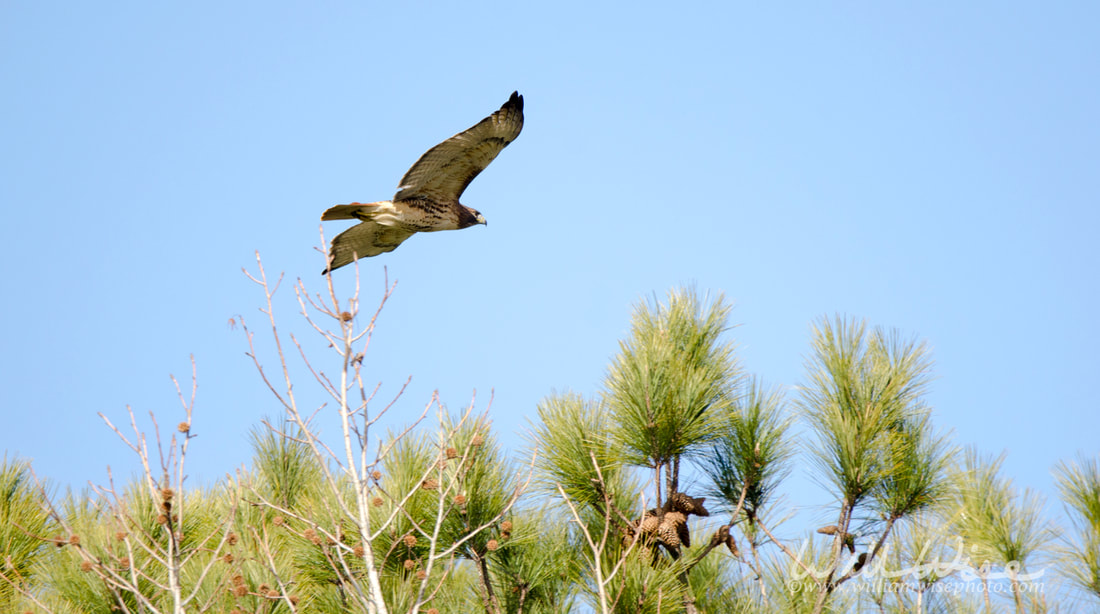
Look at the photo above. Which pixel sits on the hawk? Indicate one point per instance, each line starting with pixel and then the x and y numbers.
pixel 427 198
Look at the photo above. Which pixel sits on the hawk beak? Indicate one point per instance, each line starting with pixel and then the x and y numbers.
pixel 481 220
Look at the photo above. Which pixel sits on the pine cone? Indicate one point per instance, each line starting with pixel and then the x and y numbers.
pixel 650 522
pixel 720 535
pixel 732 545
pixel 680 502
pixel 673 531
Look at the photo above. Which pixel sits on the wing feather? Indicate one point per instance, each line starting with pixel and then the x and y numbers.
pixel 365 240
pixel 444 171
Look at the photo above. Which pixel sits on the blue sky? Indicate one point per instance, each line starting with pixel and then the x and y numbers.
pixel 930 168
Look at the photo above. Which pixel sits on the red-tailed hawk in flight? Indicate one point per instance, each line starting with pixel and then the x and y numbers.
pixel 427 199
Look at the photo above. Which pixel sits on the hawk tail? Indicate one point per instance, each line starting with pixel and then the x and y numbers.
pixel 354 211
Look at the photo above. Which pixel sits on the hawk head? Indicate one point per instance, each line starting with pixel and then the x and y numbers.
pixel 470 217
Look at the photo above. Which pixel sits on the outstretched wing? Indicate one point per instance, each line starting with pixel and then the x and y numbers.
pixel 444 171
pixel 364 240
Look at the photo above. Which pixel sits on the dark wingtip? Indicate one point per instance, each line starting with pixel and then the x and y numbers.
pixel 515 101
